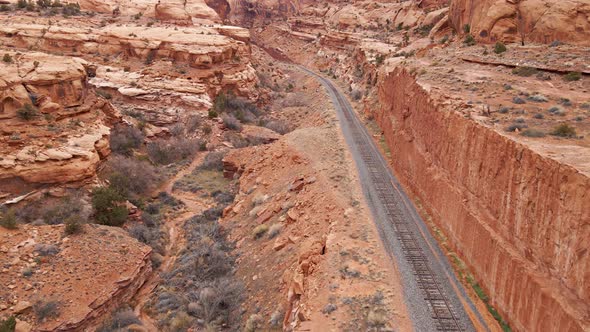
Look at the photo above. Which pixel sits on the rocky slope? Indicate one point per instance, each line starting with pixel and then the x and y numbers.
pixel 78 276
pixel 54 128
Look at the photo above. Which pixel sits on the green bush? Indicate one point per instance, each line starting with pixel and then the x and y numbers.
pixel 8 324
pixel 109 208
pixel 7 58
pixel 573 76
pixel 564 130
pixel 21 4
pixel 525 71
pixel 4 8
pixel 499 48
pixel 73 225
pixel 467 28
pixel 8 220
pixel 27 112
pixel 212 114
pixel 469 40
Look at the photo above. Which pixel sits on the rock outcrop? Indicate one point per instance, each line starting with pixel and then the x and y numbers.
pixel 174 10
pixel 518 218
pixel 82 277
pixel 54 129
pixel 541 21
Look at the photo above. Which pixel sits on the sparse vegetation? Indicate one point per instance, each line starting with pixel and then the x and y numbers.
pixel 572 76
pixel 516 126
pixel 532 133
pixel 172 150
pixel 131 177
pixel 230 122
pixel 46 309
pixel 525 71
pixel 124 139
pixel 27 112
pixel 564 130
pixel 119 320
pixel 213 161
pixel 278 126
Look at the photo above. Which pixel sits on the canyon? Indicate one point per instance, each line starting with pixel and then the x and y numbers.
pixel 175 154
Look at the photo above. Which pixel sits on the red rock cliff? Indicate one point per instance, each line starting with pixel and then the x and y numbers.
pixel 519 220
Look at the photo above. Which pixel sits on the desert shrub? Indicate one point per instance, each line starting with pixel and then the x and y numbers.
pixel 150 236
pixel 556 110
pixel 73 226
pixel 4 8
pixel 565 102
pixel 572 76
pixel 150 57
pixel 259 231
pixel 193 123
pixel 218 300
pixel 519 120
pixel 124 139
pixel 71 9
pixel 499 48
pixel 108 207
pixel 532 133
pixel 181 321
pixel 230 122
pixel 43 249
pixel 103 93
pixel 68 207
pixel 379 59
pixel 274 230
pixel 504 110
pixel 173 150
pixel 516 126
pixel 469 40
pixel 46 309
pixel 525 71
pixel 254 323
pixel 21 4
pixel 278 126
pixel 538 98
pixel 212 114
pixel 119 320
pixel 7 58
pixel 518 101
pixel 27 112
pixel 356 95
pixel 8 324
pixel 43 3
pixel 237 140
pixel 131 177
pixel 539 116
pixel 213 161
pixel 564 130
pixel 8 219
pixel 296 99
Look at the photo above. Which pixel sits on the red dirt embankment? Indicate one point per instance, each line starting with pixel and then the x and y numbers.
pixel 519 219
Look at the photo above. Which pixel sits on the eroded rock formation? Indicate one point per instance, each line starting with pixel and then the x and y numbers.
pixel 542 21
pixel 53 128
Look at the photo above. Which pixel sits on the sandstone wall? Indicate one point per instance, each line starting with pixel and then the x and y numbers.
pixel 518 219
pixel 542 21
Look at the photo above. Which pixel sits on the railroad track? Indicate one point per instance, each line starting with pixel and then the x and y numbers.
pixel 425 270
